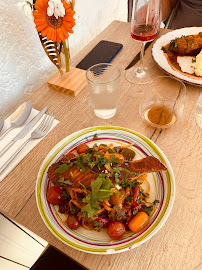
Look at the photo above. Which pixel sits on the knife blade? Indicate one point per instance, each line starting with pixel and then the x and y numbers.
pixel 24 131
pixel 137 57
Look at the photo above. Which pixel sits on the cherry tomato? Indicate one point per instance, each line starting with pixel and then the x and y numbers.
pixel 68 157
pixel 82 148
pixel 116 229
pixel 73 222
pixel 138 222
pixel 136 194
pixel 54 195
pixel 104 220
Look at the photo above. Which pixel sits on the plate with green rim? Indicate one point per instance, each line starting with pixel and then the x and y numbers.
pixel 162 189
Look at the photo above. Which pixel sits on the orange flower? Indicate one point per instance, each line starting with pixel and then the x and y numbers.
pixel 50 27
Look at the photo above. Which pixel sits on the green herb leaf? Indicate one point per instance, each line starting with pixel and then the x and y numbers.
pixel 63 168
pixel 147 209
pixel 155 202
pixel 65 182
pixel 97 225
pixel 74 210
pixel 100 191
pixel 65 195
pixel 103 144
pixel 95 136
pixel 91 209
pixel 163 49
pixel 135 211
pixel 129 198
pixel 129 184
pixel 112 191
pixel 83 186
pixel 113 159
pixel 110 150
pixel 173 44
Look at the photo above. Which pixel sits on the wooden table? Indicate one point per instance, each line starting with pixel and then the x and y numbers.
pixel 177 244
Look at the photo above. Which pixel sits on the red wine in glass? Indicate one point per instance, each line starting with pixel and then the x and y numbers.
pixel 144 32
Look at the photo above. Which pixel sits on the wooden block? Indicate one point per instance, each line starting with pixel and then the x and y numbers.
pixel 71 82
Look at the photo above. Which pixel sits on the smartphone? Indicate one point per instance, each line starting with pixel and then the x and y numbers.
pixel 53 259
pixel 103 52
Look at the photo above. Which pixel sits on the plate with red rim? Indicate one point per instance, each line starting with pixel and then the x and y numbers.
pixel 162 189
pixel 161 60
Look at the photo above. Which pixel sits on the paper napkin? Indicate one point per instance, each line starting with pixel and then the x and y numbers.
pixel 10 135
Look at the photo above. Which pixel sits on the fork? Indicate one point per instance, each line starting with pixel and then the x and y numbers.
pixel 38 133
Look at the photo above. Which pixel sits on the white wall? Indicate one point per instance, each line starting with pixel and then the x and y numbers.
pixel 24 66
pixel 93 16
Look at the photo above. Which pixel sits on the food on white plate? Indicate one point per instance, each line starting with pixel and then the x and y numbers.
pixel 103 187
pixel 198 65
pixel 182 54
pixel 186 63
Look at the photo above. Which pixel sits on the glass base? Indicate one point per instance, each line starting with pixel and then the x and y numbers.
pixel 105 113
pixel 134 75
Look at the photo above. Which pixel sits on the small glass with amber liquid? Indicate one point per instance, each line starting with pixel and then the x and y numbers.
pixel 163 101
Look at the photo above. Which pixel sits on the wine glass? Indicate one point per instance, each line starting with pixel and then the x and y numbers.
pixel 145 24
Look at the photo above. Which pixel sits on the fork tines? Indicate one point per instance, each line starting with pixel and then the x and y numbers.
pixel 47 122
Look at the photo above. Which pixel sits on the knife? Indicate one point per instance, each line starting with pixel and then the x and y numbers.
pixel 24 131
pixel 137 57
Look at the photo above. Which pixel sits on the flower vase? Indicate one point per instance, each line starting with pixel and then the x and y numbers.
pixel 64 55
pixel 67 80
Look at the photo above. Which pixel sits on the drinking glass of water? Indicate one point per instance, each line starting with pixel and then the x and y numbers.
pixel 163 102
pixel 103 80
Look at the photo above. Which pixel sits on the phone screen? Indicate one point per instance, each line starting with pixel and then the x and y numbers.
pixel 53 259
pixel 103 52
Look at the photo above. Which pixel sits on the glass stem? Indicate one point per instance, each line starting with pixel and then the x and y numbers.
pixel 141 67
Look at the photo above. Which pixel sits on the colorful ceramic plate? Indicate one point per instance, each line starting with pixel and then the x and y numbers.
pixel 162 189
pixel 161 60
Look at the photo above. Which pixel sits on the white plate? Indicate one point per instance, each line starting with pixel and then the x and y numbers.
pixel 161 60
pixel 162 188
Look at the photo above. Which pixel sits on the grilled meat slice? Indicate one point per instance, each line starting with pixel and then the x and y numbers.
pixel 147 165
pixel 75 175
pixel 189 45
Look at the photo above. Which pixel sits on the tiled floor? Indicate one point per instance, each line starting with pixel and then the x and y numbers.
pixel 19 247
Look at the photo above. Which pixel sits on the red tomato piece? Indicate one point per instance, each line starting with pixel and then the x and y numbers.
pixel 82 148
pixel 104 220
pixel 54 195
pixel 136 194
pixel 73 222
pixel 116 230
pixel 68 157
pixel 129 217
